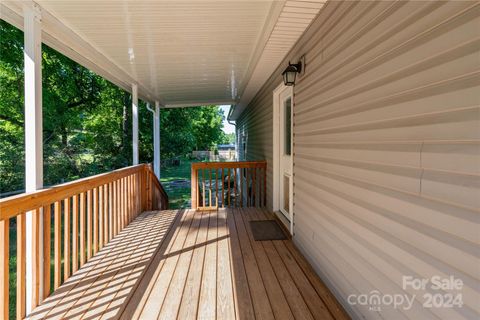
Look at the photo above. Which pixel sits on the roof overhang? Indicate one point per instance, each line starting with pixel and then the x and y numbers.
pixel 61 38
pixel 180 53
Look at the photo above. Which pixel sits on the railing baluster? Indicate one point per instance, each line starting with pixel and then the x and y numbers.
pixel 87 214
pixel 223 190
pixel 241 187
pixel 216 187
pixel 228 192
pixel 110 210
pixel 264 186
pixel 100 217
pixel 130 199
pixel 89 224
pixel 127 181
pixel 82 229
pixel 122 203
pixel 120 206
pixel 4 275
pixel 254 183
pixel 21 266
pixel 203 188
pixel 235 186
pixel 74 234
pixel 36 258
pixel 210 188
pixel 247 187
pixel 47 222
pixel 57 250
pixel 95 220
pixel 105 214
pixel 66 239
pixel 114 209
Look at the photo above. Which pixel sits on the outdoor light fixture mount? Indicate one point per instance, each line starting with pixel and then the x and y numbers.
pixel 290 73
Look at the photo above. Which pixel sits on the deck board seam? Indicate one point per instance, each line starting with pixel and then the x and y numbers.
pixel 194 228
pixel 126 279
pixel 240 220
pixel 190 265
pixel 260 214
pixel 105 286
pixel 187 222
pixel 231 263
pixel 116 243
pixel 230 216
pixel 173 228
pixel 248 217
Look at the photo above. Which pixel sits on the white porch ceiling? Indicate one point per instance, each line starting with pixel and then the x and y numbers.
pixel 185 52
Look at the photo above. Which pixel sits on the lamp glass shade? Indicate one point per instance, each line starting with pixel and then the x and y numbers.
pixel 289 75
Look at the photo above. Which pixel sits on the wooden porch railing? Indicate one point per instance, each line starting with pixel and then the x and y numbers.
pixel 228 184
pixel 93 211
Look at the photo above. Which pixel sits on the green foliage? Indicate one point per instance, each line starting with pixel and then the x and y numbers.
pixel 229 138
pixel 186 129
pixel 87 121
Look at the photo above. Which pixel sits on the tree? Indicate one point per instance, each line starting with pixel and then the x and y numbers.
pixel 186 129
pixel 87 121
pixel 229 138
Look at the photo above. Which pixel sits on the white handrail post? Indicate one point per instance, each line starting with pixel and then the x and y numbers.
pixel 33 144
pixel 156 140
pixel 135 123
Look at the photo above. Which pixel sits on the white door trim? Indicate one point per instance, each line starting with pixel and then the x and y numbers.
pixel 276 155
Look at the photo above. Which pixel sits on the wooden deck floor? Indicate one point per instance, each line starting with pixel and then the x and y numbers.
pixel 193 265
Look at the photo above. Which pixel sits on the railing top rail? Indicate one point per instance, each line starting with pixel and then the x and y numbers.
pixel 15 205
pixel 234 164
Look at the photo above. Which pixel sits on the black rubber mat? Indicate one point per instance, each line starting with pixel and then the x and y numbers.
pixel 264 230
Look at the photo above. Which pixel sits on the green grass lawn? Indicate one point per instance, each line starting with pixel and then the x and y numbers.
pixel 178 197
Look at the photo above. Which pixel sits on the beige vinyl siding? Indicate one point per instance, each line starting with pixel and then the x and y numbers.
pixel 386 149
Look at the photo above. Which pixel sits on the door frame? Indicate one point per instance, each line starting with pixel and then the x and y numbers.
pixel 276 156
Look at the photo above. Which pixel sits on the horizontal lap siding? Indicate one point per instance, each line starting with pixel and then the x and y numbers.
pixel 386 149
pixel 256 122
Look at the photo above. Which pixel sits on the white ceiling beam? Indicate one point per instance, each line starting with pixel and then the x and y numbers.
pixel 199 103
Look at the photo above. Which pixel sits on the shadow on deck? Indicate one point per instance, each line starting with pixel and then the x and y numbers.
pixel 182 264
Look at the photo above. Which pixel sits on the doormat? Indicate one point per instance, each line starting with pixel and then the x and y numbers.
pixel 264 230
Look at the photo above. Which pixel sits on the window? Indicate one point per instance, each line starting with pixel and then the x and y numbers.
pixel 288 127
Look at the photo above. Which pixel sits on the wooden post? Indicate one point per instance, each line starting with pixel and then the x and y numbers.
pixel 33 140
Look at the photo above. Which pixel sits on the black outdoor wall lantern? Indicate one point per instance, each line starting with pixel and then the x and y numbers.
pixel 290 73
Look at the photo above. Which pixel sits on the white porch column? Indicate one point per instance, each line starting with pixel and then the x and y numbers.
pixel 33 147
pixel 135 123
pixel 156 140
